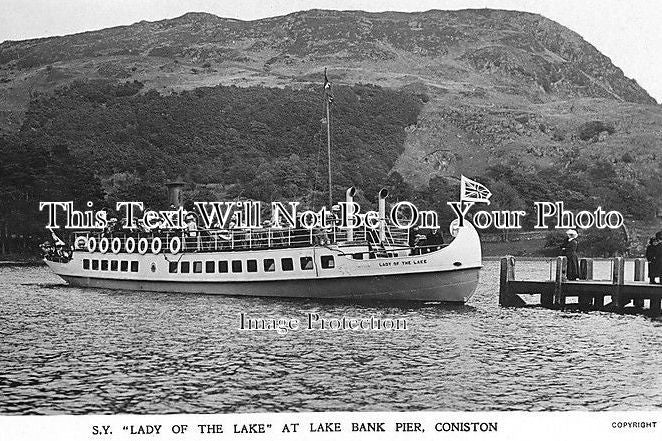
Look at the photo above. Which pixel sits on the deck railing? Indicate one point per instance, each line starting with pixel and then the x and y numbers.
pixel 176 241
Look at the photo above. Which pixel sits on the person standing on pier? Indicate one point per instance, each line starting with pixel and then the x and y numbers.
pixel 654 257
pixel 569 250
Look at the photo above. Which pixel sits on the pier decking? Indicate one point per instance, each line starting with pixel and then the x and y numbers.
pixel 615 295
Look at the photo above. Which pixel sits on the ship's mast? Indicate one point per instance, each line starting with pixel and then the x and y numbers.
pixel 328 148
pixel 328 99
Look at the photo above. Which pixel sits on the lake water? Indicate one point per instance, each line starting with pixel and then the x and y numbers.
pixel 73 351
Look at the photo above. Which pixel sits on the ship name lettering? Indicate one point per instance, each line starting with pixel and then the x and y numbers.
pixel 147 429
pixel 408 427
pixel 325 427
pixel 368 427
pixel 210 428
pixel 250 428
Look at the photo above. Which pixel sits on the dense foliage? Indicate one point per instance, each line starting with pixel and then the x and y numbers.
pixel 104 142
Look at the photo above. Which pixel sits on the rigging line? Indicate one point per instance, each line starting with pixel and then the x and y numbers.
pixel 328 137
pixel 319 149
pixel 317 271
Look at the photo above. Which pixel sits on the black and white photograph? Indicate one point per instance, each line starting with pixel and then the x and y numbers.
pixel 299 220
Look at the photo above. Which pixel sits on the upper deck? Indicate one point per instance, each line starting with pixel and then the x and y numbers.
pixel 185 241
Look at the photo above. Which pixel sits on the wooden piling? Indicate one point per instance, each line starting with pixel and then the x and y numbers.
pixel 559 280
pixel 559 293
pixel 639 276
pixel 656 307
pixel 585 273
pixel 507 297
pixel 586 269
pixel 618 279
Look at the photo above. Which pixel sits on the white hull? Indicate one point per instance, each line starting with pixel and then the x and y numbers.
pixel 449 274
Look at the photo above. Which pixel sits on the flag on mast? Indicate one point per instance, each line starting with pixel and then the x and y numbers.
pixel 472 191
pixel 327 88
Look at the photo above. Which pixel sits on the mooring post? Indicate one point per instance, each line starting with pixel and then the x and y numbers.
pixel 504 286
pixel 586 269
pixel 561 274
pixel 618 277
pixel 639 276
pixel 656 306
pixel 507 273
pixel 585 273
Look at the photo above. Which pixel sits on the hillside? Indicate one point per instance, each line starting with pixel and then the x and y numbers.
pixel 511 97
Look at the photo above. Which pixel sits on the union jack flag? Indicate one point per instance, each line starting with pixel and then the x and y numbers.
pixel 472 191
pixel 327 88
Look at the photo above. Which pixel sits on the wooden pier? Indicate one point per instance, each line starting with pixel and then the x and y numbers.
pixel 637 296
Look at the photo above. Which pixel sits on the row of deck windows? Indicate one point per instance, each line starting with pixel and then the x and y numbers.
pixel 114 265
pixel 237 266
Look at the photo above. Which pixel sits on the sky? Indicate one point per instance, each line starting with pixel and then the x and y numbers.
pixel 627 31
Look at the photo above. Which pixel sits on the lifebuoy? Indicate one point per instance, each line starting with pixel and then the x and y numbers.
pixel 156 245
pixel 116 245
pixel 143 245
pixel 91 244
pixel 104 243
pixel 175 245
pixel 130 244
pixel 80 243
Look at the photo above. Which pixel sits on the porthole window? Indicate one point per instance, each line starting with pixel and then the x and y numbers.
pixel 134 266
pixel 327 262
pixel 306 263
pixel 172 267
pixel 222 266
pixel 251 266
pixel 210 266
pixel 286 264
pixel 197 267
pixel 269 265
pixel 86 263
pixel 236 266
pixel 185 267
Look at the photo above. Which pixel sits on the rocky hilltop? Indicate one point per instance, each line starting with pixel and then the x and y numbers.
pixel 499 87
pixel 512 52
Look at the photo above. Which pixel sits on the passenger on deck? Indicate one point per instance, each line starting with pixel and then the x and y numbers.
pixel 436 238
pixel 192 232
pixel 420 241
pixel 412 239
pixel 321 236
pixel 411 236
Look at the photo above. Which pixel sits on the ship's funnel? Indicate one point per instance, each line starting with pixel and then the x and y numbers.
pixel 383 194
pixel 349 199
pixel 175 193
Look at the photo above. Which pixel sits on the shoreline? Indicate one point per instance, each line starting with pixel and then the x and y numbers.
pixel 19 263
